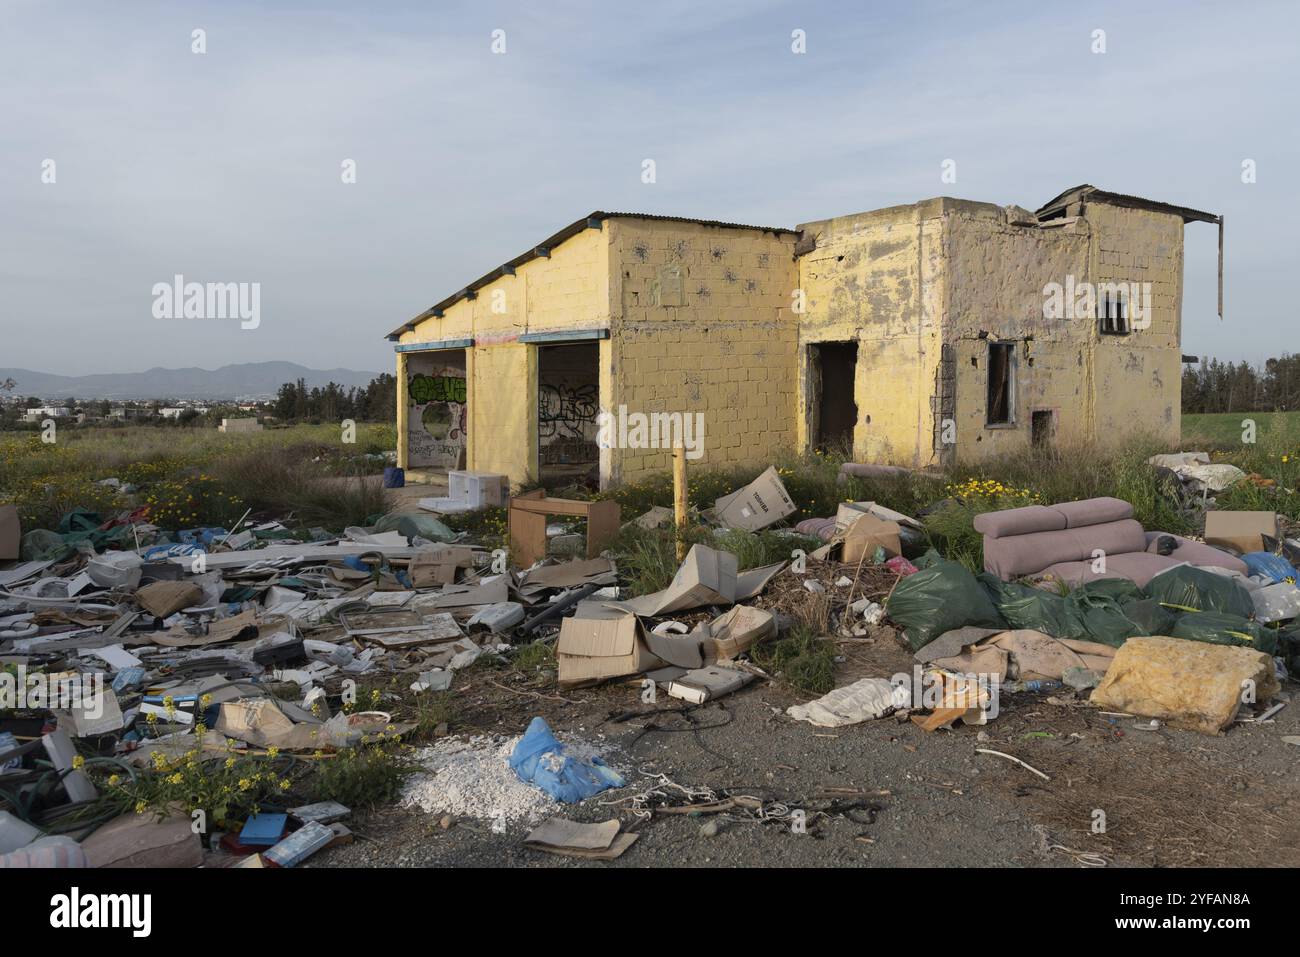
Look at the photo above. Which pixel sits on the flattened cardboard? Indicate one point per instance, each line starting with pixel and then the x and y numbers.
pixel 752 582
pixel 706 577
pixel 601 642
pixel 10 533
pixel 869 533
pixel 1241 531
pixel 759 504
pixel 593 571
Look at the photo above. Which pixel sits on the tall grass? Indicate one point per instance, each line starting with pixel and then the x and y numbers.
pixel 286 483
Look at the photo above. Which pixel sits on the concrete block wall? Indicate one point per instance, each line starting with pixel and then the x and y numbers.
pixel 876 279
pixel 703 323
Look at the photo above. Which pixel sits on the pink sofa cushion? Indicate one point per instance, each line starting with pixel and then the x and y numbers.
pixel 1019 521
pixel 1027 554
pixel 1198 553
pixel 1139 567
pixel 1094 511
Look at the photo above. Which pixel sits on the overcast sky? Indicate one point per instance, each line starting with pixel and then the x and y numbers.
pixel 226 166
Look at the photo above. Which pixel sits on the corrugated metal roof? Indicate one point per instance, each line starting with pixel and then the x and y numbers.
pixel 1088 192
pixel 590 221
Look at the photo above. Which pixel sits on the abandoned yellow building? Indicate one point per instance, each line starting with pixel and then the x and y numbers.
pixel 945 330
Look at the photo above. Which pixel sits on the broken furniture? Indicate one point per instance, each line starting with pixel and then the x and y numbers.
pixel 1079 542
pixel 527 517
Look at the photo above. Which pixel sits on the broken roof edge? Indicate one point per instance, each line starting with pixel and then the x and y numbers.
pixel 1086 192
pixel 592 220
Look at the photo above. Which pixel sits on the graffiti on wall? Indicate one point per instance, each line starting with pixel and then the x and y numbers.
pixel 436 427
pixel 566 423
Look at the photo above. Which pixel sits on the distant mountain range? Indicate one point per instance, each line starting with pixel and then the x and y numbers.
pixel 248 379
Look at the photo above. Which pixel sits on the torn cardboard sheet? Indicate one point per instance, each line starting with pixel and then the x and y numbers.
pixel 1027 655
pixel 488 592
pixel 706 577
pixel 237 627
pixel 759 504
pixel 575 574
pixel 601 842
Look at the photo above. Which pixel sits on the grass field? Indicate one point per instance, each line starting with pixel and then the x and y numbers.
pixel 187 478
pixel 1223 431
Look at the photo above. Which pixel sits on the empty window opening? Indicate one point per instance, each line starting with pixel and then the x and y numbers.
pixel 834 406
pixel 1112 310
pixel 1042 428
pixel 1001 384
pixel 568 402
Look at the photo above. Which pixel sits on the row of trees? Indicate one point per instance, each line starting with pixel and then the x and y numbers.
pixel 377 402
pixel 1215 386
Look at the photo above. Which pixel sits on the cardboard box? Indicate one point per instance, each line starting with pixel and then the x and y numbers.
pixel 706 577
pixel 1240 531
pixel 10 533
pixel 868 533
pixel 758 505
pixel 601 642
pixel 439 566
pixel 733 633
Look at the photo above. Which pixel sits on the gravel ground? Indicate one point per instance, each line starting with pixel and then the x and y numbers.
pixel 1170 798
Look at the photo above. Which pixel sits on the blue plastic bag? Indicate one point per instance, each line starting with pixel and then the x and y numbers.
pixel 1273 567
pixel 539 759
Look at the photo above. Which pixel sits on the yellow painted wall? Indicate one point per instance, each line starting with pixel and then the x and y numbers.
pixel 1101 388
pixel 568 290
pixel 1138 378
pixel 876 278
pixel 503 410
pixel 725 347
pixel 996 273
pixel 702 319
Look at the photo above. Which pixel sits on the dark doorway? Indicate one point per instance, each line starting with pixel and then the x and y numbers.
pixel 568 380
pixel 1042 428
pixel 1001 391
pixel 835 410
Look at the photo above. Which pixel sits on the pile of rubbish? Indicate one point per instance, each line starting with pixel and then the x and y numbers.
pixel 129 650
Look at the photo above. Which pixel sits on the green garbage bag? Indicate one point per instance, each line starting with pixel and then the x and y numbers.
pixel 1109 610
pixel 413 525
pixel 40 545
pixel 1218 628
pixel 1033 608
pixel 940 597
pixel 1187 588
pixel 1288 640
pixel 80 520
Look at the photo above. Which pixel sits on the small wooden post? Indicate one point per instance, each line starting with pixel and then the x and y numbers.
pixel 679 498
